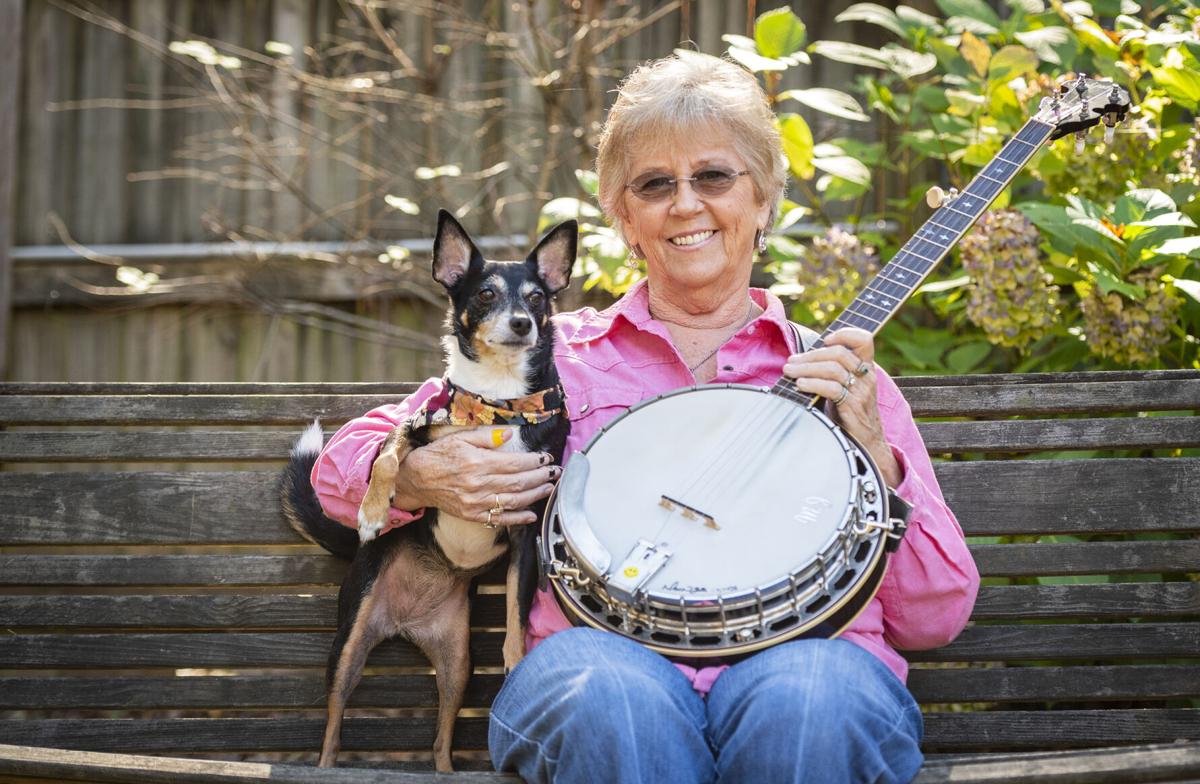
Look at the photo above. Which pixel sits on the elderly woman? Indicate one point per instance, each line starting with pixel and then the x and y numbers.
pixel 691 174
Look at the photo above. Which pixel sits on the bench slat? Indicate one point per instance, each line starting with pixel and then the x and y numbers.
pixel 68 765
pixel 1068 641
pixel 142 570
pixel 211 649
pixel 273 445
pixel 1052 684
pixel 1011 730
pixel 1019 730
pixel 1006 497
pixel 1080 558
pixel 280 733
pixel 1014 435
pixel 993 560
pixel 318 610
pixel 1180 394
pixel 305 691
pixel 197 611
pixel 202 507
pixel 1111 641
pixel 287 406
pixel 259 692
pixel 185 409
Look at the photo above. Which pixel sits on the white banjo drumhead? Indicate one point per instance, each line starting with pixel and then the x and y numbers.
pixel 775 481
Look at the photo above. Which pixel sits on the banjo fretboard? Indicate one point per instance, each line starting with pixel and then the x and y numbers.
pixel 913 263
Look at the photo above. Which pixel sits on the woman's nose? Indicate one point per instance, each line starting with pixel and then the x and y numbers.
pixel 685 199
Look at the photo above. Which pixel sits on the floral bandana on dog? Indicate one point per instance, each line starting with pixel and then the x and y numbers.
pixel 456 406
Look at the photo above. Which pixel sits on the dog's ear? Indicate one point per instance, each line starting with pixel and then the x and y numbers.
pixel 453 251
pixel 554 256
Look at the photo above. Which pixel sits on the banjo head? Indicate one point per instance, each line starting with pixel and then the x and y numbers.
pixel 714 518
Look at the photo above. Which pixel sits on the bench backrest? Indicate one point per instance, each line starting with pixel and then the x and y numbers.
pixel 145 567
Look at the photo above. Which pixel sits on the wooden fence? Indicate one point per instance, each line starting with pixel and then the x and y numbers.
pixel 123 138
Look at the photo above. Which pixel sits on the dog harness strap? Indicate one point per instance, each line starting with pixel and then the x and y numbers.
pixel 457 406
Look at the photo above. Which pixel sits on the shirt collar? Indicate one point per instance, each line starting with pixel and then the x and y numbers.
pixel 634 309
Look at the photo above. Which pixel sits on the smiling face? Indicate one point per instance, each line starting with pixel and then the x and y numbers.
pixel 696 247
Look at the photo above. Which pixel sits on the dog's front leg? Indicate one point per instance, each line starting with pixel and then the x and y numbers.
pixel 381 489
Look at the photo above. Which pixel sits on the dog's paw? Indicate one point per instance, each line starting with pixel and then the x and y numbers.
pixel 369 525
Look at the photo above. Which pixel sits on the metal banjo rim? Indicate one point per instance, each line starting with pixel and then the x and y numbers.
pixel 863 587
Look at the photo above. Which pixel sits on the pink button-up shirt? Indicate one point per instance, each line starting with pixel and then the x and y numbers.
pixel 612 359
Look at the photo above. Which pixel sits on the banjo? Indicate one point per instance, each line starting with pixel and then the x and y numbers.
pixel 720 519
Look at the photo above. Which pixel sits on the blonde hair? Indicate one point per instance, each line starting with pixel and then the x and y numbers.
pixel 677 95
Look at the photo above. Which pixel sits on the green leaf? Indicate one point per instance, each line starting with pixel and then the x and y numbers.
pixel 740 41
pixel 563 209
pixel 1011 62
pixel 854 54
pixel 1094 38
pixel 1109 282
pixel 797 145
pixel 872 14
pixel 823 99
pixel 975 9
pixel 945 285
pixel 911 17
pixel 967 357
pixel 1181 246
pixel 1046 42
pixel 845 167
pixel 965 24
pixel 1189 287
pixel 1028 7
pixel 755 61
pixel 588 181
pixel 779 32
pixel 976 52
pixel 906 63
pixel 1181 83
pixel 1142 204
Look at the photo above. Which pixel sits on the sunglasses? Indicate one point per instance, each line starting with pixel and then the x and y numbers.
pixel 706 182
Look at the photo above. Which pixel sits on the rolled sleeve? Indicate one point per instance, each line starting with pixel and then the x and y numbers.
pixel 343 469
pixel 932 581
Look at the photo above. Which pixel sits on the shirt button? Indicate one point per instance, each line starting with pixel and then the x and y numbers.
pixel 583 408
pixel 751 329
pixel 728 368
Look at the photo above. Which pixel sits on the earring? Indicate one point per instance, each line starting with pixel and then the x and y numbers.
pixel 760 241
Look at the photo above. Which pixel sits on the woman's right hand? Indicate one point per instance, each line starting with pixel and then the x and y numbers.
pixel 465 475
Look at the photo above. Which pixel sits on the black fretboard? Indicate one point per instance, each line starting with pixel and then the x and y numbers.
pixel 913 263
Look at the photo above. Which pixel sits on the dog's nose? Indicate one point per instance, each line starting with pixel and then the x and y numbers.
pixel 520 324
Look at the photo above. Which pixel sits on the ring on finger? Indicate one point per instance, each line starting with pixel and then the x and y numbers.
pixel 489 523
pixel 842 397
pixel 850 379
pixel 863 369
pixel 499 507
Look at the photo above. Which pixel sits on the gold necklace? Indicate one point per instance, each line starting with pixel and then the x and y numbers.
pixel 711 354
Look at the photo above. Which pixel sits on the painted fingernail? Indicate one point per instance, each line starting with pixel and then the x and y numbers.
pixel 545 458
pixel 498 435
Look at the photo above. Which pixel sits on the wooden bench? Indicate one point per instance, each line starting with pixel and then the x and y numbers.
pixel 153 602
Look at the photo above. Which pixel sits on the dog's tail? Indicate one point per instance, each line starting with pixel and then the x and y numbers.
pixel 300 505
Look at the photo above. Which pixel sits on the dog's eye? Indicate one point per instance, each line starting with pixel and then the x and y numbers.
pixel 487 295
pixel 536 298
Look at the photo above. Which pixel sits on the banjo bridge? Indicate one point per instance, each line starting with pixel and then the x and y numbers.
pixel 688 512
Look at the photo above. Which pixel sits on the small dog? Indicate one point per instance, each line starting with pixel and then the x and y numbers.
pixel 415 581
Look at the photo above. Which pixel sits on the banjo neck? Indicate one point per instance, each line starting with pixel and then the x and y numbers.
pixel 931 243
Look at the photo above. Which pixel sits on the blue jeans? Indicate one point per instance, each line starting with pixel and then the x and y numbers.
pixel 589 706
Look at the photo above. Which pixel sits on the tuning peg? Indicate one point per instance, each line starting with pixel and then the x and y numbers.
pixel 1080 139
pixel 936 197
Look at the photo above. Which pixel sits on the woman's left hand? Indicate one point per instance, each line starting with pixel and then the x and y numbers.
pixel 841 371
